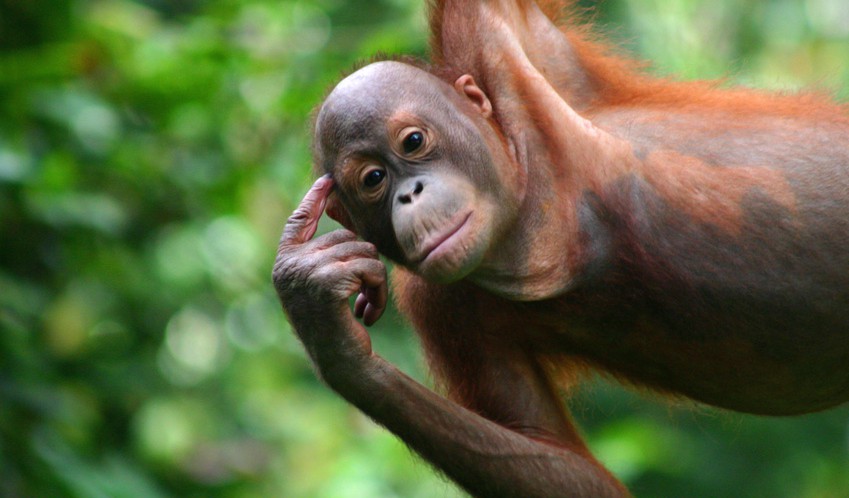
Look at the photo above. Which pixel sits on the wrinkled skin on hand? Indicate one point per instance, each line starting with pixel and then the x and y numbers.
pixel 314 279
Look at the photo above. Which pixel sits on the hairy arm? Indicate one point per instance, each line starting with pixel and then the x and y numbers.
pixel 315 278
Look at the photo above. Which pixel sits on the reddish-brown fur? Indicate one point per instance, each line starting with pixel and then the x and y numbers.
pixel 613 81
pixel 618 80
pixel 454 342
pixel 677 235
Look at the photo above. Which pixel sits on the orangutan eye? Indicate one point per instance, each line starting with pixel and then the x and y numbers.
pixel 413 142
pixel 374 177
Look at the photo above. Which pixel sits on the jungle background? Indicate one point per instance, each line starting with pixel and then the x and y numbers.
pixel 150 152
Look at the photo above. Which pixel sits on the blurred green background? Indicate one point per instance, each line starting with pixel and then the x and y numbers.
pixel 150 152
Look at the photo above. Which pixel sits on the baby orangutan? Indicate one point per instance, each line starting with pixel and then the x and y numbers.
pixel 544 200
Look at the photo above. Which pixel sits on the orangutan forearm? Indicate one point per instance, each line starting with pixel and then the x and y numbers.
pixel 486 459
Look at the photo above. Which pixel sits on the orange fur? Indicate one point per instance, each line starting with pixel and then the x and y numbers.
pixel 677 235
pixel 620 80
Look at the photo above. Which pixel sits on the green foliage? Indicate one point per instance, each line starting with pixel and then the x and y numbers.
pixel 150 152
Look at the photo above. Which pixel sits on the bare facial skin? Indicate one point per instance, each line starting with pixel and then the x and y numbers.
pixel 552 210
pixel 411 151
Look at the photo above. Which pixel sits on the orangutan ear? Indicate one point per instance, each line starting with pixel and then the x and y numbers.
pixel 466 86
pixel 337 211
